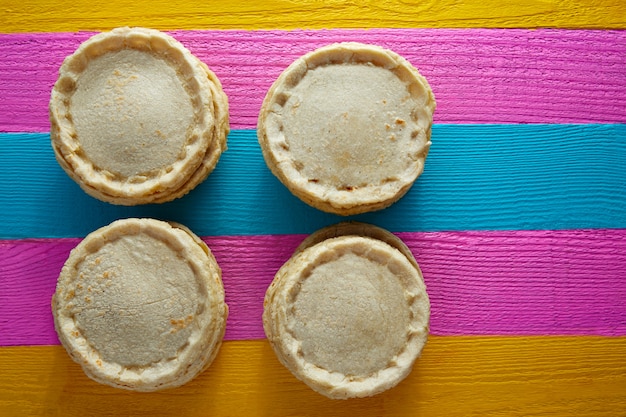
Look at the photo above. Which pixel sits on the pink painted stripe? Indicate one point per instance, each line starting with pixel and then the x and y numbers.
pixel 480 283
pixel 478 75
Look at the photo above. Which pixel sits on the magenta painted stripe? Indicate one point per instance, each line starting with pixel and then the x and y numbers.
pixel 478 75
pixel 480 283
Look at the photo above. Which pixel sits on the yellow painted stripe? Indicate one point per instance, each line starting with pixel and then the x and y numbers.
pixel 48 16
pixel 456 376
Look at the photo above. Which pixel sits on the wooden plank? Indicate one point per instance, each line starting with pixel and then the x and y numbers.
pixel 479 283
pixel 456 376
pixel 478 76
pixel 477 177
pixel 38 15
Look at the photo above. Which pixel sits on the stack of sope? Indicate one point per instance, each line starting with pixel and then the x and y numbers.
pixel 136 118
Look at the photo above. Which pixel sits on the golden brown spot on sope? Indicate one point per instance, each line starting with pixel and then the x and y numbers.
pixel 180 324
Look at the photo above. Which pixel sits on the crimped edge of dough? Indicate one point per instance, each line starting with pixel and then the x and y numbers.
pixel 275 150
pixel 203 343
pixel 101 183
pixel 287 281
pixel 218 144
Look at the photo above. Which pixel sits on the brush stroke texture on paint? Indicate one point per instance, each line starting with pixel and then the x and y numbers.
pixel 455 376
pixel 477 177
pixel 477 75
pixel 38 15
pixel 479 283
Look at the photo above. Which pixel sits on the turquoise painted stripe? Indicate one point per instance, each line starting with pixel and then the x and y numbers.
pixel 477 177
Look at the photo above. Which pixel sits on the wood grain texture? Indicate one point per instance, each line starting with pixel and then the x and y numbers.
pixel 478 76
pixel 477 177
pixel 37 15
pixel 456 376
pixel 479 283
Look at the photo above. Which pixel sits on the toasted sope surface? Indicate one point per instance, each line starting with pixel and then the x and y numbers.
pixel 139 304
pixel 133 116
pixel 348 314
pixel 347 127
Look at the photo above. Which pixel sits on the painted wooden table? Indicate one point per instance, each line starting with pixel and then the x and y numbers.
pixel 519 221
